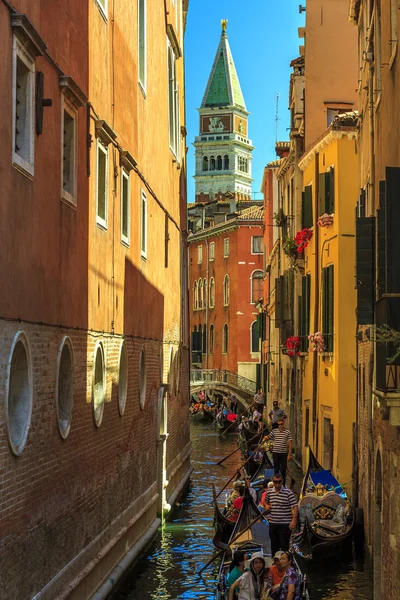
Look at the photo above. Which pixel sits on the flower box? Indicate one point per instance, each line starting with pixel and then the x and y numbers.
pixel 325 220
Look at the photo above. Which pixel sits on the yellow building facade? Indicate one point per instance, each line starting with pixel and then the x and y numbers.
pixel 329 298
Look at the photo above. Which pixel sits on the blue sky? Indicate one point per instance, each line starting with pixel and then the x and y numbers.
pixel 263 39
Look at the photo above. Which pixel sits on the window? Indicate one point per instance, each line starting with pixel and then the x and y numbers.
pixel 226 162
pixel 254 338
pixel 205 163
pixel 143 225
pixel 204 344
pixel 200 293
pixel 307 427
pixel 199 255
pixel 99 386
pixel 142 42
pixel 142 379
pixel 125 207
pixel 195 296
pixel 304 312
pixel 257 245
pixel 212 292
pixel 257 292
pixel 212 163
pixel 205 293
pixel 212 251
pixel 69 153
pixel 18 394
pixel 211 340
pixel 225 340
pixel 327 192
pixel 173 100
pixel 103 6
pixel 327 307
pixel 226 247
pixel 219 163
pixel 23 108
pixel 64 387
pixel 102 185
pixel 307 207
pixel 122 379
pixel 226 290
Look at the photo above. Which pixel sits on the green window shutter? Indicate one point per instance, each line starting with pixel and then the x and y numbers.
pixel 324 306
pixel 322 194
pixel 365 269
pixel 330 315
pixel 303 209
pixel 330 191
pixel 278 302
pixel 307 308
pixel 307 208
pixel 392 235
pixel 381 226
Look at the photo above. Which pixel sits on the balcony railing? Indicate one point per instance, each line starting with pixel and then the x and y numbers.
pixel 207 376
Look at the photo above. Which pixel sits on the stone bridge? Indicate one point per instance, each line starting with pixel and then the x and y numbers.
pixel 222 382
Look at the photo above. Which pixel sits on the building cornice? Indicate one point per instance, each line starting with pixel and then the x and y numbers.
pixel 221 228
pixel 327 139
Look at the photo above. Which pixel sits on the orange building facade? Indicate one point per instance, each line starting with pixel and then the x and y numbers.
pixel 94 434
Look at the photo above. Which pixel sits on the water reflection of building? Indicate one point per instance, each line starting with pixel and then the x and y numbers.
pixel 94 340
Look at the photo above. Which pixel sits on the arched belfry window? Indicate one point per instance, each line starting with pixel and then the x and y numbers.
pixel 226 162
pixel 205 163
pixel 212 163
pixel 219 163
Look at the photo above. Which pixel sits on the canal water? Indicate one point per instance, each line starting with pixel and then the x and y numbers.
pixel 169 568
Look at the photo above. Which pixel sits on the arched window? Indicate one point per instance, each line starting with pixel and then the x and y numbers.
pixel 225 339
pixel 219 163
pixel 205 293
pixel 226 162
pixel 212 163
pixel 200 293
pixel 211 340
pixel 195 296
pixel 205 163
pixel 204 340
pixel 212 292
pixel 99 384
pixel 226 290
pixel 257 292
pixel 254 338
pixel 64 387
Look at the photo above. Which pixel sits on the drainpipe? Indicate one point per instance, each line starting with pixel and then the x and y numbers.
pixel 316 304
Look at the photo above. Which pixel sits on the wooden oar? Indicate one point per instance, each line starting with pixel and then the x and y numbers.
pixel 234 422
pixel 219 463
pixel 237 472
pixel 225 486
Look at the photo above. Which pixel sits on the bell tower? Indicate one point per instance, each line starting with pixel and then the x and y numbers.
pixel 223 148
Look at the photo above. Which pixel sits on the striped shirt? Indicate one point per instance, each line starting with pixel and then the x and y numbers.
pixel 282 503
pixel 280 439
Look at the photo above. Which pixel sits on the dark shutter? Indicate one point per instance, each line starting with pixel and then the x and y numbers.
pixel 392 230
pixel 307 212
pixel 381 226
pixel 365 269
pixel 322 194
pixel 278 302
pixel 330 191
pixel 305 311
pixel 325 305
pixel 361 205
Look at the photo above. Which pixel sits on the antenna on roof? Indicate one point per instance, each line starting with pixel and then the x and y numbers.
pixel 277 117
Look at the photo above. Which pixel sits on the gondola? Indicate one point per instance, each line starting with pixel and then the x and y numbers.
pixel 249 436
pixel 202 415
pixel 224 527
pixel 223 424
pixel 326 517
pixel 253 539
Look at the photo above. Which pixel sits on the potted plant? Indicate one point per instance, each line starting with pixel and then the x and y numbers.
pixel 292 345
pixel 280 218
pixel 325 220
pixel 290 247
pixel 317 343
pixel 302 238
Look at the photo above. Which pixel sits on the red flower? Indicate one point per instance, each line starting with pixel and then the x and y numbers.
pixel 302 238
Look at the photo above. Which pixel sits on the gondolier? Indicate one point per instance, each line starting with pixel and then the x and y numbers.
pixel 282 448
pixel 282 518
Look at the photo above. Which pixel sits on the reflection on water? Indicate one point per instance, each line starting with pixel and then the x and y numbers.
pixel 169 568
